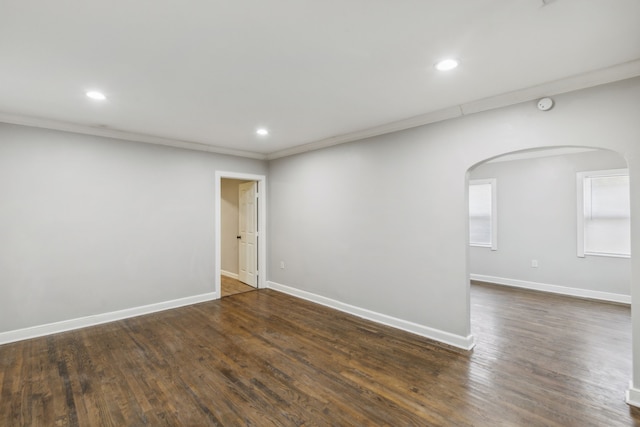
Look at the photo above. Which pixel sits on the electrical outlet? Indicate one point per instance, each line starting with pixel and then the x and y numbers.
pixel 282 264
pixel 534 263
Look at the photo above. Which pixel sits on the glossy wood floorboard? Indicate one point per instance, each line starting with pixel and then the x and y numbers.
pixel 232 286
pixel 267 359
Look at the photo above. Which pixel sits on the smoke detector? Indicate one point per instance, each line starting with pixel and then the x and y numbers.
pixel 545 104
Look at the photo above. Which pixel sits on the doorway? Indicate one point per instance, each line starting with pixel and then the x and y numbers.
pixel 538 249
pixel 539 225
pixel 240 233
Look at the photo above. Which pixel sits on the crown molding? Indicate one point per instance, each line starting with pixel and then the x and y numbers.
pixel 547 152
pixel 582 81
pixel 423 119
pixel 122 135
pixel 612 74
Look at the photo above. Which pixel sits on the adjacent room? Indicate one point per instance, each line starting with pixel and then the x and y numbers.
pixel 320 213
pixel 238 244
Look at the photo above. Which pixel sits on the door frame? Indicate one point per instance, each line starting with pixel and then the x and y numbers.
pixel 262 226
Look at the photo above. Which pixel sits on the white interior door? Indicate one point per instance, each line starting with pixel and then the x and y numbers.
pixel 248 224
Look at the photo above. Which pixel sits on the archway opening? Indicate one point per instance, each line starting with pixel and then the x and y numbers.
pixel 533 299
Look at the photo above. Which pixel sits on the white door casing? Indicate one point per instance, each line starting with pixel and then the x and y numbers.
pixel 262 188
pixel 248 232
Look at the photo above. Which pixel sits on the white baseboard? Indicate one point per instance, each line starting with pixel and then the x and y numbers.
pixel 563 290
pixel 465 343
pixel 632 396
pixel 229 274
pixel 83 322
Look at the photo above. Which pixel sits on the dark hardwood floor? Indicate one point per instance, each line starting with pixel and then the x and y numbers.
pixel 267 359
pixel 232 286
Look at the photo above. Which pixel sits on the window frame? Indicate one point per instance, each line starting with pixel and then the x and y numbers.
pixel 494 212
pixel 580 179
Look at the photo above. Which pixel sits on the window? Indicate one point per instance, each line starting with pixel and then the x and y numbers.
pixel 604 213
pixel 482 213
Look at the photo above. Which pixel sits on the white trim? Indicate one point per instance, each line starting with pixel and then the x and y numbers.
pixel 537 153
pixel 123 135
pixel 580 214
pixel 555 289
pixel 589 79
pixel 229 274
pixel 604 254
pixel 465 343
pixel 632 396
pixel 423 119
pixel 611 74
pixel 262 225
pixel 98 319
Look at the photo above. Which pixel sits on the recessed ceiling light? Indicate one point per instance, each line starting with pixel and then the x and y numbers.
pixel 446 64
pixel 262 132
pixel 99 96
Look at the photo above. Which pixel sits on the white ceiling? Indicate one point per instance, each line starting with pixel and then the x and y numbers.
pixel 312 71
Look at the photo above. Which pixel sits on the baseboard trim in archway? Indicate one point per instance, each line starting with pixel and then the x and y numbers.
pixel 555 289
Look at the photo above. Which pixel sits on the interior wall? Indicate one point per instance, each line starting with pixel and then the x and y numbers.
pixel 537 217
pixel 381 224
pixel 92 225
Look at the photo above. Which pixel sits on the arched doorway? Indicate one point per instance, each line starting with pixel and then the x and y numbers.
pixel 536 250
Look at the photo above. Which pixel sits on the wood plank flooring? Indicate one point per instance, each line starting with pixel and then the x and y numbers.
pixel 267 359
pixel 233 286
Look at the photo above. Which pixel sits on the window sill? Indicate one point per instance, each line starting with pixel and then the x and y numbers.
pixel 478 245
pixel 606 255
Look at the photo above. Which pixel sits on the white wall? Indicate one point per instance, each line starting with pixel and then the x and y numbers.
pixel 381 224
pixel 537 220
pixel 91 225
